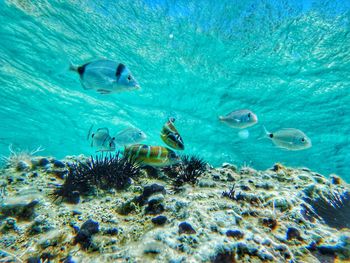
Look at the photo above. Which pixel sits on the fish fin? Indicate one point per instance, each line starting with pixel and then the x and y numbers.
pixel 120 70
pixel 237 120
pixel 105 129
pixel 89 132
pixel 103 91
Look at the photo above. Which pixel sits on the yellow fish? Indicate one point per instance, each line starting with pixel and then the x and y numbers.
pixel 157 156
pixel 171 136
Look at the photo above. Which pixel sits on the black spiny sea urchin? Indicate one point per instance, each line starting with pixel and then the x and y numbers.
pixel 103 172
pixel 333 209
pixel 187 171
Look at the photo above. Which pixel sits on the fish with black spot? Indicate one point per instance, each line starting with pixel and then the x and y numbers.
pixel 101 140
pixel 106 76
pixel 171 136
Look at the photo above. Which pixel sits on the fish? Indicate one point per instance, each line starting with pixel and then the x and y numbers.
pixel 101 140
pixel 106 76
pixel 171 136
pixel 240 119
pixel 129 136
pixel 156 156
pixel 289 138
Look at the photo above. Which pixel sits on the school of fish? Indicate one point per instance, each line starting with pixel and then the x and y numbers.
pixel 107 76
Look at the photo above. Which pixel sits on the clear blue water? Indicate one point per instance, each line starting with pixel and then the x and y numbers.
pixel 288 61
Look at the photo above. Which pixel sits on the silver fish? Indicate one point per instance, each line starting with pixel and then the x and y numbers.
pixel 129 136
pixel 101 140
pixel 290 139
pixel 106 76
pixel 240 119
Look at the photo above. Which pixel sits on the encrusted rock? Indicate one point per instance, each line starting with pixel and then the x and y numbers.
pixel 159 220
pixel 293 233
pixel 84 236
pixel 186 228
pixel 22 207
pixel 235 233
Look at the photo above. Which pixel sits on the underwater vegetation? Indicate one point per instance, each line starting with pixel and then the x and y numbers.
pixel 333 209
pixel 187 171
pixel 104 172
pixel 20 158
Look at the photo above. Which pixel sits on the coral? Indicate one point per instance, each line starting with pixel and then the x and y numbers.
pixel 333 209
pixel 187 171
pixel 101 172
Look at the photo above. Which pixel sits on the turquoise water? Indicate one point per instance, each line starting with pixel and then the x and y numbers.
pixel 288 61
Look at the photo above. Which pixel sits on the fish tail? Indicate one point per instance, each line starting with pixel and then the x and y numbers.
pixel 73 67
pixel 266 134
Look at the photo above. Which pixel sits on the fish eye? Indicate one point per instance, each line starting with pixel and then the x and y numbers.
pixel 129 77
pixel 303 139
pixel 249 115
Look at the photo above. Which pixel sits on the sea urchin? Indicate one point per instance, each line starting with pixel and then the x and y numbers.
pixel 104 172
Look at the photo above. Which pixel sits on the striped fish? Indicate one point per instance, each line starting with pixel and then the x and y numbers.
pixel 158 156
pixel 171 136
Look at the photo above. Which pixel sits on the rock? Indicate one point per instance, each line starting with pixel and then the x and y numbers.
pixel 149 190
pixel 153 247
pixel 335 179
pixel 52 238
pixel 84 236
pixel 216 177
pixel 59 164
pixel 293 233
pixel 206 183
pixel 111 231
pixel 43 162
pixel 76 212
pixel 229 166
pixel 159 220
pixel 22 166
pixel 127 207
pixel 155 205
pixel 9 224
pixel 235 233
pixel 59 173
pixel 22 207
pixel 40 225
pixel 186 228
pixel 269 222
pixel 74 198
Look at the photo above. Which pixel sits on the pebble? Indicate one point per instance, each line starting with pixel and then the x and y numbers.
pixel 186 228
pixel 159 220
